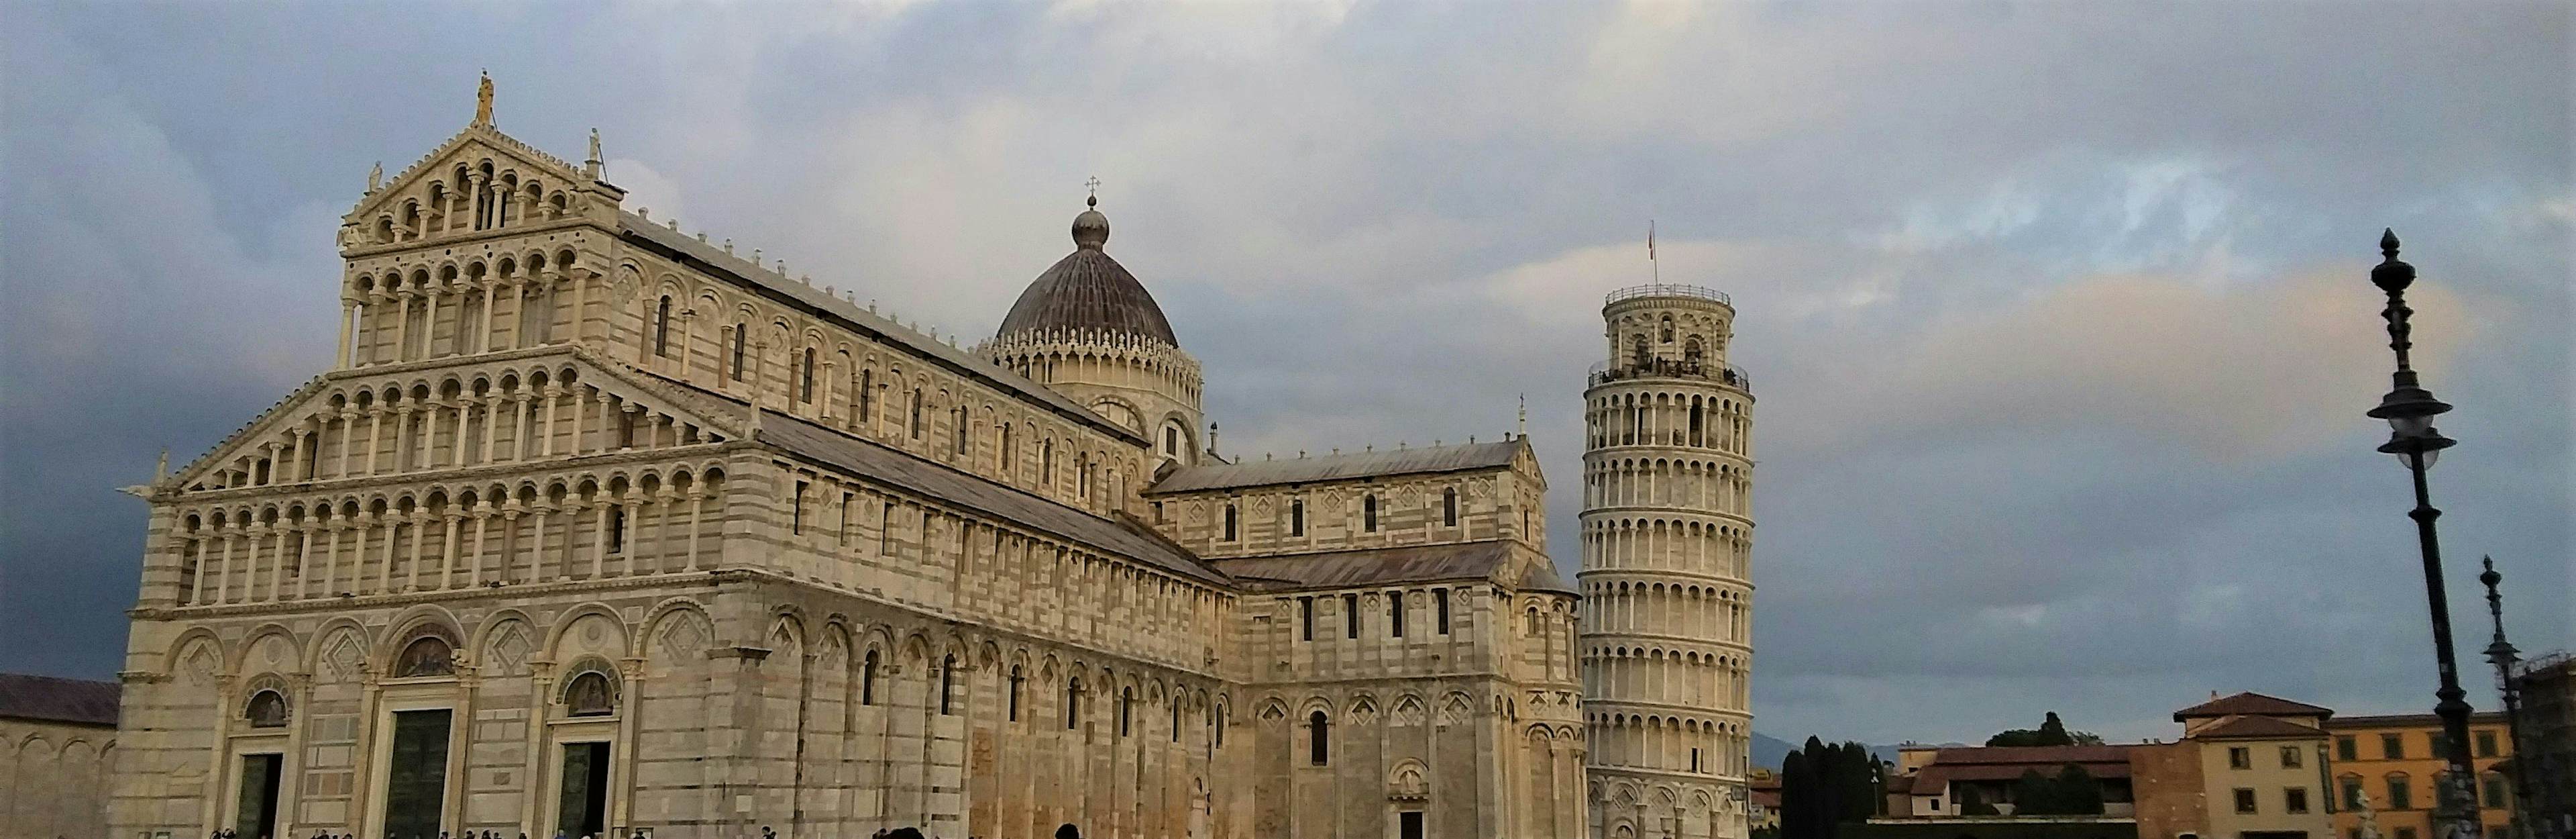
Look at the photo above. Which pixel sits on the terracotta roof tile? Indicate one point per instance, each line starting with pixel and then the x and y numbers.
pixel 2250 703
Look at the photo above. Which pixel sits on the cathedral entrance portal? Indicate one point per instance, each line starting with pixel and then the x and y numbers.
pixel 256 818
pixel 583 809
pixel 416 780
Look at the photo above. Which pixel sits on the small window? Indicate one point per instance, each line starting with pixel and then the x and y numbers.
pixel 885 531
pixel 849 511
pixel 868 680
pixel 805 378
pixel 916 424
pixel 1319 738
pixel 867 397
pixel 1395 613
pixel 1176 718
pixel 1368 514
pixel 2392 747
pixel 2244 801
pixel 1126 709
pixel 1351 615
pixel 1072 704
pixel 2351 786
pixel 590 695
pixel 948 686
pixel 2295 799
pixel 1694 759
pixel 662 329
pixel 2347 749
pixel 1449 508
pixel 2496 792
pixel 2401 792
pixel 616 529
pixel 1306 618
pixel 1229 523
pixel 1440 609
pixel 2289 757
pixel 1297 517
pixel 428 656
pixel 796 509
pixel 1158 514
pixel 2486 744
pixel 2240 757
pixel 739 330
pixel 1014 701
pixel 267 709
pixel 1219 725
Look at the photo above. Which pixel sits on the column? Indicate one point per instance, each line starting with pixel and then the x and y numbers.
pixel 537 547
pixel 402 327
pixel 224 563
pixel 491 425
pixel 580 298
pixel 697 507
pixel 348 317
pixel 331 552
pixel 482 518
pixel 509 540
pixel 599 526
pixel 411 574
pixel 429 324
pixel 626 531
pixel 447 551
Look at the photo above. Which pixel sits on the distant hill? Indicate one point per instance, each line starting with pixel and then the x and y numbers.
pixel 1768 751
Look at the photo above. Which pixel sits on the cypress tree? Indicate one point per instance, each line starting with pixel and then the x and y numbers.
pixel 1797 784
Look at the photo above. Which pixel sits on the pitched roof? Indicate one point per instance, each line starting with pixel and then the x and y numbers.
pixel 80 701
pixel 2256 728
pixel 1468 561
pixel 2250 703
pixel 2405 720
pixel 713 259
pixel 1341 467
pixel 937 480
pixel 2024 755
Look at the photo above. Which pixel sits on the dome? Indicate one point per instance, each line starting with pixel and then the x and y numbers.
pixel 1088 290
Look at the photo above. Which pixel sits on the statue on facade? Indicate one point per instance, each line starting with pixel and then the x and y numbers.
pixel 376 177
pixel 483 101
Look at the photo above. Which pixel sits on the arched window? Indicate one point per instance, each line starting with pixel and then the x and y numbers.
pixel 1229 523
pixel 1220 725
pixel 1639 345
pixel 1690 350
pixel 1126 709
pixel 868 679
pixel 267 709
pixel 1082 475
pixel 948 686
pixel 1449 507
pixel 1696 420
pixel 1176 718
pixel 428 656
pixel 916 414
pixel 590 695
pixel 867 398
pixel 662 328
pixel 805 378
pixel 1368 514
pixel 1046 461
pixel 739 330
pixel 1014 701
pixel 1668 329
pixel 2401 792
pixel 1072 703
pixel 1319 737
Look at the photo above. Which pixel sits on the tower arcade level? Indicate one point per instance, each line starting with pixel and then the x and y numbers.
pixel 1666 577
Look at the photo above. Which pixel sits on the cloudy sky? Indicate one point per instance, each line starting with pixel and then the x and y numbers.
pixel 2057 313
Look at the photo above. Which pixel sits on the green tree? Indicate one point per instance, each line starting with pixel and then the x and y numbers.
pixel 2077 793
pixel 2051 732
pixel 2034 794
pixel 1797 788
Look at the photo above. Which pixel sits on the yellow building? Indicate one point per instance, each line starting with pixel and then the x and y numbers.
pixel 2248 766
pixel 2396 759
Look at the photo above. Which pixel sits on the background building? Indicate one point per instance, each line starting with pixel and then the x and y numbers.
pixel 1667 569
pixel 2248 766
pixel 2396 758
pixel 2548 755
pixel 57 748
pixel 594 525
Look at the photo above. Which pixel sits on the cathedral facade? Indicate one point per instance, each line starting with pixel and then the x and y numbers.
pixel 594 527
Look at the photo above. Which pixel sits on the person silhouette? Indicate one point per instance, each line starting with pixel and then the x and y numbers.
pixel 1068 832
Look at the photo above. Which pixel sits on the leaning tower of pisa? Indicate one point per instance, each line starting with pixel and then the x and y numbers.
pixel 1667 581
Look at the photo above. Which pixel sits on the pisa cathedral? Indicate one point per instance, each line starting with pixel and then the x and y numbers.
pixel 595 527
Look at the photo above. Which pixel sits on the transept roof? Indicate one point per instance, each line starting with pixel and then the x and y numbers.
pixel 1338 467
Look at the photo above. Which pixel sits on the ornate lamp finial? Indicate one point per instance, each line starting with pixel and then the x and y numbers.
pixel 2391 275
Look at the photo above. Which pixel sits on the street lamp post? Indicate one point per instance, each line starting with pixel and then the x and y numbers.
pixel 2501 653
pixel 2409 410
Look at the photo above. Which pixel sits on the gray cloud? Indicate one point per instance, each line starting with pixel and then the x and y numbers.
pixel 2055 311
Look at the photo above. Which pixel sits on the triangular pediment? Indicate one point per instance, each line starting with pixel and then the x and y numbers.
pixel 263 451
pixel 478 148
